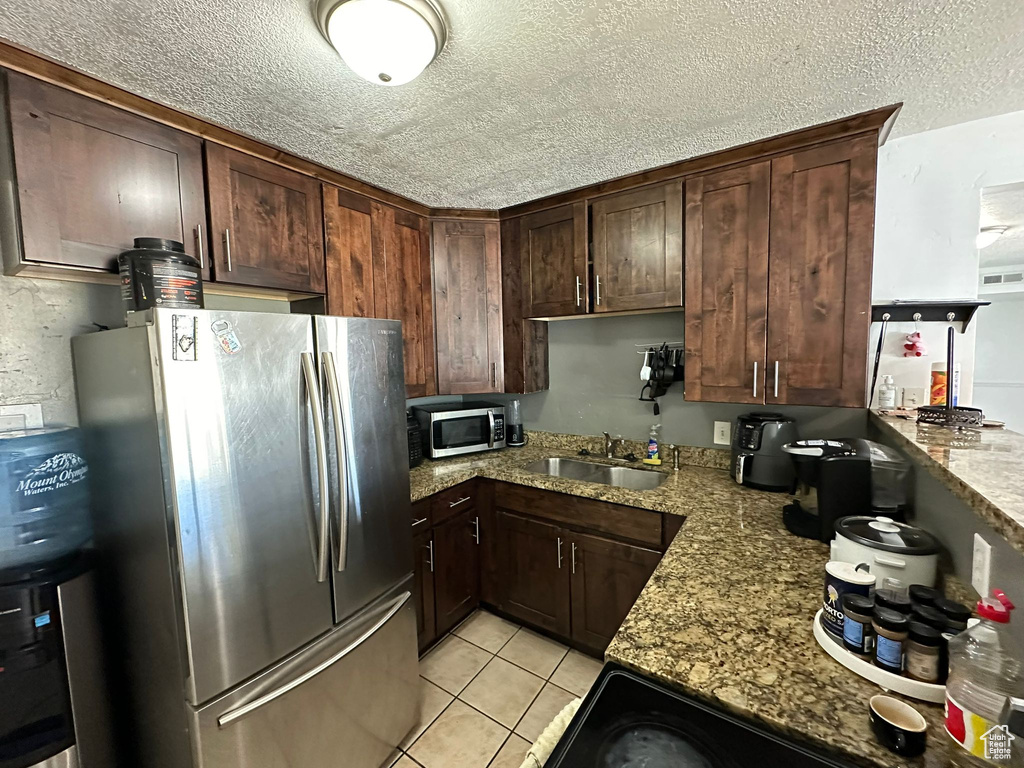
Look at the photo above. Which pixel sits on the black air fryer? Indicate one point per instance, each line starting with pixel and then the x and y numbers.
pixel 757 457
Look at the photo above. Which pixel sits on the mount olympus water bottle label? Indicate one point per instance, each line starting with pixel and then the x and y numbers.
pixel 38 483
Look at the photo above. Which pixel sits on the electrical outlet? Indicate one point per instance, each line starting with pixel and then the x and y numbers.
pixel 981 568
pixel 722 433
pixel 913 397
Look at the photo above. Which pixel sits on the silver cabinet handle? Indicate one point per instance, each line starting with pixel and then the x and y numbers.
pixel 198 232
pixel 776 378
pixel 578 290
pixel 458 501
pixel 559 552
pixel 490 425
pixel 598 290
pixel 227 247
pixel 755 378
pixel 316 407
pixel 419 522
pixel 476 529
pixel 430 548
pixel 574 557
pixel 236 714
pixel 334 394
pixel 494 374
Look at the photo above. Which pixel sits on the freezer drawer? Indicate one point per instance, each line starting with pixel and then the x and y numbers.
pixel 347 699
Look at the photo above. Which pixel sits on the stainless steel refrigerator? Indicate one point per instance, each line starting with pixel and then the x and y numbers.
pixel 251 490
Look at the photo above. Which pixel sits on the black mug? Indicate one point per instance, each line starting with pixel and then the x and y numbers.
pixel 898 726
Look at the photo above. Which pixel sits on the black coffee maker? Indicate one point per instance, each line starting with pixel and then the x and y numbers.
pixel 836 478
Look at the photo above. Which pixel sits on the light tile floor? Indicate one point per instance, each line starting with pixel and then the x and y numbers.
pixel 489 689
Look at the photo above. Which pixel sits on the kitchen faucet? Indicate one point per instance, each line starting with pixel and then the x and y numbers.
pixel 610 444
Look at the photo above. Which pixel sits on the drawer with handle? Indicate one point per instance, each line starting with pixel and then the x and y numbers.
pixel 421 517
pixel 453 501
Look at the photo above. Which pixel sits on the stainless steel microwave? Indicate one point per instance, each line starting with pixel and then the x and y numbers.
pixel 451 429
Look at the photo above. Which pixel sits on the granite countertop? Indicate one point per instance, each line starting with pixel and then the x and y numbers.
pixel 727 615
pixel 982 467
pixel 685 492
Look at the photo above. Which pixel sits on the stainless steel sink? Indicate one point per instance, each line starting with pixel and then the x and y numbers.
pixel 620 477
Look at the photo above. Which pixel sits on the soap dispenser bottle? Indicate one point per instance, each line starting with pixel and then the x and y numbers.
pixel 653 454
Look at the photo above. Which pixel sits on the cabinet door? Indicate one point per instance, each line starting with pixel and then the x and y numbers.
pixel 91 178
pixel 607 578
pixel 524 342
pixel 423 584
pixel 266 222
pixel 402 290
pixel 819 274
pixel 727 285
pixel 348 230
pixel 467 307
pixel 638 249
pixel 553 246
pixel 535 559
pixel 456 569
pixel 491 575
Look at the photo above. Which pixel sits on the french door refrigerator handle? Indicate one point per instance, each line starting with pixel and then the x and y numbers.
pixel 334 394
pixel 316 407
pixel 236 714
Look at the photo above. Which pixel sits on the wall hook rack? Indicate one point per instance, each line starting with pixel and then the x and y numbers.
pixel 657 345
pixel 948 311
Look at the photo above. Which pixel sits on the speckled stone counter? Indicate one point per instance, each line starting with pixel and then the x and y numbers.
pixel 726 616
pixel 982 467
pixel 686 492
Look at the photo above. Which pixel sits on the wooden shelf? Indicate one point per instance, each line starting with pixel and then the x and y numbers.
pixel 962 311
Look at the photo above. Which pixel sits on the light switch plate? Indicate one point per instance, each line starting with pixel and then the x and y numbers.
pixel 24 416
pixel 981 568
pixel 722 432
pixel 913 397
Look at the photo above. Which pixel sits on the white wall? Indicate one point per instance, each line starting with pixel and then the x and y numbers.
pixel 927 209
pixel 999 360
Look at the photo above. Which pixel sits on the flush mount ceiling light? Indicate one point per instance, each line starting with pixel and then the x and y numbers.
pixel 989 235
pixel 388 42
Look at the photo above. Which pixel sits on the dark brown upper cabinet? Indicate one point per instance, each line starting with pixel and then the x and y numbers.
pixel 266 223
pixel 727 284
pixel 348 228
pixel 467 307
pixel 90 178
pixel 819 274
pixel 553 247
pixel 524 342
pixel 401 287
pixel 638 249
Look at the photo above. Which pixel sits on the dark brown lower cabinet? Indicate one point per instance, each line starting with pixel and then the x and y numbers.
pixel 423 572
pixel 607 578
pixel 456 569
pixel 536 569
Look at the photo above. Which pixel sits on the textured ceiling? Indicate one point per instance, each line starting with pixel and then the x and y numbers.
pixel 1004 206
pixel 533 97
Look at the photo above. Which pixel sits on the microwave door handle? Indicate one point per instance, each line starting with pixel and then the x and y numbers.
pixel 490 425
pixel 334 393
pixel 316 409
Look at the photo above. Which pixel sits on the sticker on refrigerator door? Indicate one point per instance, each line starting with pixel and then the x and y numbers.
pixel 226 336
pixel 184 330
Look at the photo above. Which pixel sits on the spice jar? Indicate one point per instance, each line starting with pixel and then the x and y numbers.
pixel 893 600
pixel 924 653
pixel 858 633
pixel 891 629
pixel 925 614
pixel 955 613
pixel 922 595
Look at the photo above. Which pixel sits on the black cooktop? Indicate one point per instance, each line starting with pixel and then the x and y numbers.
pixel 627 721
